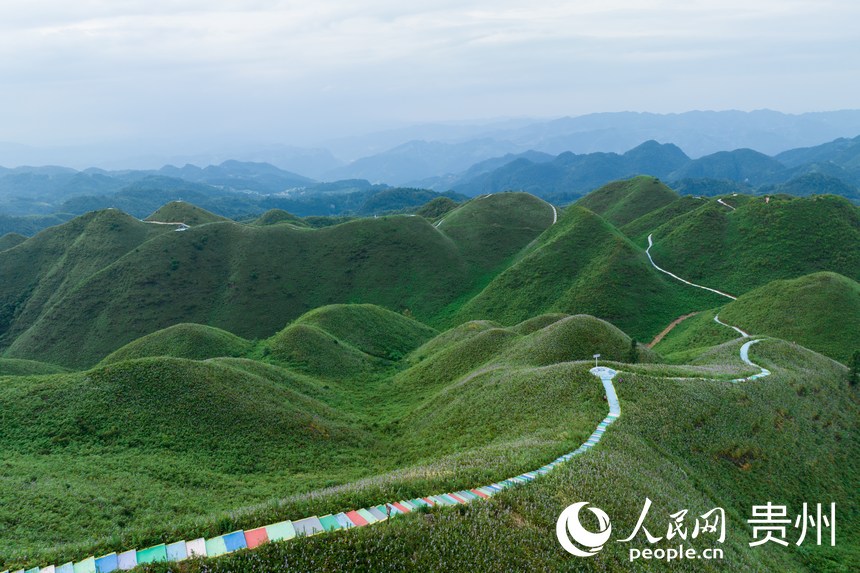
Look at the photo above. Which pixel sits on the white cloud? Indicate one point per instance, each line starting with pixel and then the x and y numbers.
pixel 96 67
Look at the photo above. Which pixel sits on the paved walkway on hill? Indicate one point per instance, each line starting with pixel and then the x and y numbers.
pixel 744 352
pixel 724 204
pixel 182 226
pixel 674 276
pixel 285 530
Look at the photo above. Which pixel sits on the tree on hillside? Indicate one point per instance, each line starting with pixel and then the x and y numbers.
pixel 633 356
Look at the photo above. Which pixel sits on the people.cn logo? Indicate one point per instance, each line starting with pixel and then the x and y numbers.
pixel 569 526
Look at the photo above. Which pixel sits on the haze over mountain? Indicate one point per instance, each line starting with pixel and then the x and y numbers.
pixel 408 154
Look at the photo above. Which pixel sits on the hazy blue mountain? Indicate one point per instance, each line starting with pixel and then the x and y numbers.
pixel 385 158
pixel 570 175
pixel 240 176
pixel 452 180
pixel 813 184
pixel 843 152
pixel 416 160
pixel 741 165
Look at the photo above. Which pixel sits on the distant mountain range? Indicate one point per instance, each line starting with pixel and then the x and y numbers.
pixel 698 133
pixel 829 168
pixel 32 198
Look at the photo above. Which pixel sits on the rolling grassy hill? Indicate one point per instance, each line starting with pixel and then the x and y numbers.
pixel 246 279
pixel 183 212
pixel 624 201
pixel 10 240
pixel 761 242
pixel 820 311
pixel 684 444
pixel 191 341
pixel 584 265
pixel 42 271
pixel 139 437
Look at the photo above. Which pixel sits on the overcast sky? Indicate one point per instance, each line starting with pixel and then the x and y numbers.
pixel 298 71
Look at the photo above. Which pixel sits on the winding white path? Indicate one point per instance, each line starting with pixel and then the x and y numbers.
pixel 745 356
pixel 723 203
pixel 744 352
pixel 674 276
pixel 250 539
pixel 741 332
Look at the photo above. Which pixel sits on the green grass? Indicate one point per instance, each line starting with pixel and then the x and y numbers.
pixel 639 228
pixel 622 202
pixel 275 216
pixel 192 341
pixel 685 444
pixel 490 230
pixel 693 336
pixel 736 251
pixel 182 212
pixel 820 311
pixel 436 208
pixel 10 240
pixel 583 265
pixel 16 367
pixel 72 301
pixel 113 450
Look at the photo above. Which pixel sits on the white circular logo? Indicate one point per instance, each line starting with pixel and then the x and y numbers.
pixel 568 523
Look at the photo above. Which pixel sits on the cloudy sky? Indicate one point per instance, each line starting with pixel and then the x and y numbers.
pixel 298 71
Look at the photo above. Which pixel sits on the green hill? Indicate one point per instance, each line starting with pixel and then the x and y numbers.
pixel 436 208
pixel 275 216
pixel 370 329
pixel 149 437
pixel 14 367
pixel 182 212
pixel 638 229
pixel 489 230
pixel 192 341
pixel 249 280
pixel 583 265
pixel 759 242
pixel 621 202
pixel 820 311
pixel 10 240
pixel 40 273
pixel 685 444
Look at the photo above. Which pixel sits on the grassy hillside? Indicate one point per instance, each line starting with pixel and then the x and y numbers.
pixel 48 268
pixel 247 280
pixel 584 265
pixel 820 311
pixel 84 289
pixel 759 242
pixel 183 212
pixel 275 216
pixel 436 208
pixel 10 240
pixel 694 336
pixel 684 444
pixel 638 229
pixel 370 329
pixel 121 446
pixel 623 201
pixel 490 230
pixel 14 367
pixel 192 341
